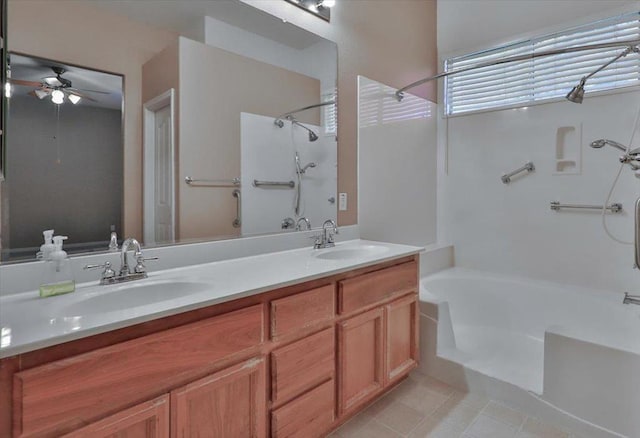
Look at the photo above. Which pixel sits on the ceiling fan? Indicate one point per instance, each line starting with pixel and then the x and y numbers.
pixel 57 87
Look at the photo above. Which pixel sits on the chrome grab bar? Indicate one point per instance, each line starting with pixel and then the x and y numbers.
pixel 529 167
pixel 237 221
pixel 636 239
pixel 233 182
pixel 613 208
pixel 289 184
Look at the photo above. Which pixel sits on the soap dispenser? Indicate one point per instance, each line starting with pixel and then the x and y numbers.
pixel 47 247
pixel 58 277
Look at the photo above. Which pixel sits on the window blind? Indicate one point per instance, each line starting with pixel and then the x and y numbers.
pixel 548 77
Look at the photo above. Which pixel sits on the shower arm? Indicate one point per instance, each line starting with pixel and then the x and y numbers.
pixel 631 47
pixel 621 55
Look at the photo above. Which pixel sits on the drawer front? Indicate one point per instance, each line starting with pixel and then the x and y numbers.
pixel 308 416
pixel 302 365
pixel 296 312
pixel 368 289
pixel 69 393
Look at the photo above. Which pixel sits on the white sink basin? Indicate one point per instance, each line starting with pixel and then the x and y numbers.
pixel 130 295
pixel 351 253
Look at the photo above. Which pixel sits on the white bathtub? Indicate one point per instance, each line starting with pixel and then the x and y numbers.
pixel 574 349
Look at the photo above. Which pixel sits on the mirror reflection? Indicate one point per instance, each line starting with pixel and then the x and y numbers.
pixel 215 120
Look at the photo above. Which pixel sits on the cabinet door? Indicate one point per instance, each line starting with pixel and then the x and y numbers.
pixel 402 337
pixel 228 404
pixel 360 359
pixel 146 420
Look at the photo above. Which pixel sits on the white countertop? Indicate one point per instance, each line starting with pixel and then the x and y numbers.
pixel 28 322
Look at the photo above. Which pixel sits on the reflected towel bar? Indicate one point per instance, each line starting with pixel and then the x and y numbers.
pixel 613 208
pixel 233 182
pixel 529 167
pixel 289 184
pixel 237 221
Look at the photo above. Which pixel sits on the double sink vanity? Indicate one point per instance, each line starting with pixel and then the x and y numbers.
pixel 283 344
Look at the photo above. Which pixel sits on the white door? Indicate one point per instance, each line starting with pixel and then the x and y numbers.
pixel 159 171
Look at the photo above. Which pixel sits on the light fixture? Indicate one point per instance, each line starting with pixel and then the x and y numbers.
pixel 57 97
pixel 319 8
pixel 326 3
pixel 52 81
pixel 41 93
pixel 7 90
pixel 74 98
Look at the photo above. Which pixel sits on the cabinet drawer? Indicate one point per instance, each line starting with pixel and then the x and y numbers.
pixel 365 290
pixel 69 393
pixel 298 311
pixel 308 416
pixel 149 420
pixel 302 365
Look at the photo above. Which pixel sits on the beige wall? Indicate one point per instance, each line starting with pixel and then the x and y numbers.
pixel 215 87
pixel 390 41
pixel 36 28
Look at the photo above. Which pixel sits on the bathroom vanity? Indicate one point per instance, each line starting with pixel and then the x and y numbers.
pixel 287 355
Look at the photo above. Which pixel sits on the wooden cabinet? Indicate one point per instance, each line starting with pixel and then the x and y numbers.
pixel 401 337
pixel 308 416
pixel 360 359
pixel 379 347
pixel 146 420
pixel 227 404
pixel 293 362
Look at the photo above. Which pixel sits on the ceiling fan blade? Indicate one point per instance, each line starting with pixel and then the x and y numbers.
pixel 25 83
pixel 86 90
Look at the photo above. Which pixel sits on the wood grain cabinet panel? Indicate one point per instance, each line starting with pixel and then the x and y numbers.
pixel 360 359
pixel 146 420
pixel 402 337
pixel 228 404
pixel 295 312
pixel 302 365
pixel 308 416
pixel 365 290
pixel 63 395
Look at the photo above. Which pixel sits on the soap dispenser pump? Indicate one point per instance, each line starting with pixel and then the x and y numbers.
pixel 47 247
pixel 58 277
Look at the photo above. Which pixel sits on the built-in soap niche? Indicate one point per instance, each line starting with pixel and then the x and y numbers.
pixel 568 159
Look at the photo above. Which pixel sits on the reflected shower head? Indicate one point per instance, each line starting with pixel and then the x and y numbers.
pixel 597 144
pixel 576 95
pixel 312 135
pixel 303 170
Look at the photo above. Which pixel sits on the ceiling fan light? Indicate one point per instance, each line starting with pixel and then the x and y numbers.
pixel 74 98
pixel 52 81
pixel 41 93
pixel 7 90
pixel 327 3
pixel 57 97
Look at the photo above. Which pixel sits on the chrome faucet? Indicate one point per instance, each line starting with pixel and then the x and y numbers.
pixel 305 220
pixel 631 299
pixel 139 271
pixel 325 240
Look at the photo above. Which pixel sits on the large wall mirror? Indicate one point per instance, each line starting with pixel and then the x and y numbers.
pixel 167 121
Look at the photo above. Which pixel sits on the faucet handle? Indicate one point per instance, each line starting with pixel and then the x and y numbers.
pixel 108 272
pixel 140 267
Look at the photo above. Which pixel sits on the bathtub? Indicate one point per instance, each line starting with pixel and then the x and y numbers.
pixel 573 353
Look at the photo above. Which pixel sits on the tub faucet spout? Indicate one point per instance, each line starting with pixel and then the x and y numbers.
pixel 631 299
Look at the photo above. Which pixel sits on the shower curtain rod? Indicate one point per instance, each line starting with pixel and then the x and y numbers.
pixel 631 44
pixel 317 105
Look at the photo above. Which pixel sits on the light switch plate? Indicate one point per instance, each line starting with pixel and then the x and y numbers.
pixel 342 201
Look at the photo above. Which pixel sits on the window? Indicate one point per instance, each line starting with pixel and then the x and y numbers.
pixel 548 77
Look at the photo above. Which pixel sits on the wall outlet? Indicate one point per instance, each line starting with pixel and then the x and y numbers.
pixel 342 201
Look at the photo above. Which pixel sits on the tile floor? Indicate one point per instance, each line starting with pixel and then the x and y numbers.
pixel 423 407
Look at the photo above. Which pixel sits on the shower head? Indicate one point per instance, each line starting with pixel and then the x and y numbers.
pixel 576 95
pixel 312 135
pixel 597 144
pixel 303 170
